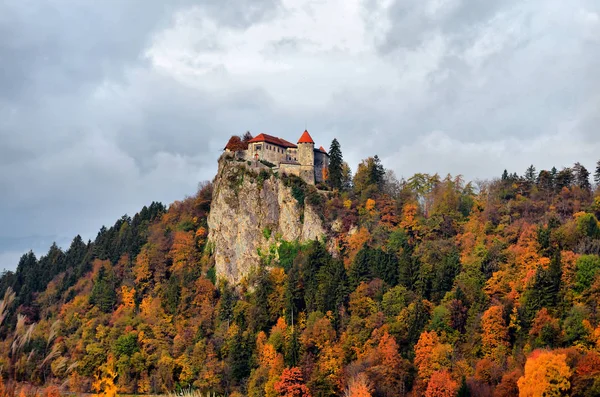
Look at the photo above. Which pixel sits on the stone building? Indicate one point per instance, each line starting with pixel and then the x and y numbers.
pixel 302 159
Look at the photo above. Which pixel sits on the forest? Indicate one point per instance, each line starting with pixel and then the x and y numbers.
pixel 439 287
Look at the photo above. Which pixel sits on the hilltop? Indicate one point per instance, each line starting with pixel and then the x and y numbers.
pixel 269 283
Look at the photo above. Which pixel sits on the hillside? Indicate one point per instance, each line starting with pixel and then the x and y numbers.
pixel 262 285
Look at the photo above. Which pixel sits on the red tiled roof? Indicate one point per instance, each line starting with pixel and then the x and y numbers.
pixel 306 138
pixel 272 139
pixel 323 150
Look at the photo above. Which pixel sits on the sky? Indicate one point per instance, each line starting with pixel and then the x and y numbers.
pixel 106 106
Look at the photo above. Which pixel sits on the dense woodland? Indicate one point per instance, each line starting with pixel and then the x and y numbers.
pixel 429 286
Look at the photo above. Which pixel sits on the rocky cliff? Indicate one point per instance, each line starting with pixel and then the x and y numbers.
pixel 252 210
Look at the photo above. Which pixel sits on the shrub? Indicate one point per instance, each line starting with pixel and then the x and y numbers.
pixel 267 233
pixel 263 176
pixel 267 163
pixel 186 226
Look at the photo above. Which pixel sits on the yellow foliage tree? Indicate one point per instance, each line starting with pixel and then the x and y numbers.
pixel 104 380
pixel 370 205
pixel 128 296
pixel 546 375
pixel 142 267
pixel 409 221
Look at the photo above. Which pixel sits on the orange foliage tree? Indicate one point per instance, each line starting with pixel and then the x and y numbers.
pixel 494 338
pixel 441 384
pixel 358 386
pixel 389 371
pixel 183 249
pixel 431 355
pixel 291 384
pixel 355 242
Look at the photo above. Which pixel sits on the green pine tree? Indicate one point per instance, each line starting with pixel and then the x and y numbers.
pixel 335 165
pixel 377 172
pixel 582 177
pixel 530 174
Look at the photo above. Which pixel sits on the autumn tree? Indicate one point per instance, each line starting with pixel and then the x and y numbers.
pixel 104 383
pixel 508 386
pixel 358 386
pixel 545 330
pixel 291 384
pixel 431 355
pixel 586 375
pixel 441 384
pixel 494 338
pixel 546 374
pixel 390 371
pixel 237 143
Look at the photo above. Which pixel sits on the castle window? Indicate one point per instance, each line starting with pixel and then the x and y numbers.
pixel 258 147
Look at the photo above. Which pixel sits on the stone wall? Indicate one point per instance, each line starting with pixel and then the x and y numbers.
pixel 289 169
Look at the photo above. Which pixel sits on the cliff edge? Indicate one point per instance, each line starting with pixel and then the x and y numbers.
pixel 253 209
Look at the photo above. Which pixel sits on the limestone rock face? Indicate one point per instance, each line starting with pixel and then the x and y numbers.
pixel 249 214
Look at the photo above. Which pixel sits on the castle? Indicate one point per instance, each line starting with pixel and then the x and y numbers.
pixel 302 160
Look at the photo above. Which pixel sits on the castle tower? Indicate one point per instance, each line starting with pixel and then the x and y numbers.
pixel 306 157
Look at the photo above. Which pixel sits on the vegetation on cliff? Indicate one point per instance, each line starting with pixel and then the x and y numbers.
pixel 427 286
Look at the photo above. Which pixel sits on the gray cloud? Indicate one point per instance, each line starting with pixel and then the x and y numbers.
pixel 107 106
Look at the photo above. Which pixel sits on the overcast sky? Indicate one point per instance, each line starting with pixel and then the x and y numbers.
pixel 108 105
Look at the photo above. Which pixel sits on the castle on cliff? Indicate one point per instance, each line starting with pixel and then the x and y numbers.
pixel 303 159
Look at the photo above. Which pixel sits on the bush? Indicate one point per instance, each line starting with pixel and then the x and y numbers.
pixel 263 176
pixel 267 163
pixel 126 345
pixel 267 233
pixel 186 226
pixel 287 252
pixel 211 274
